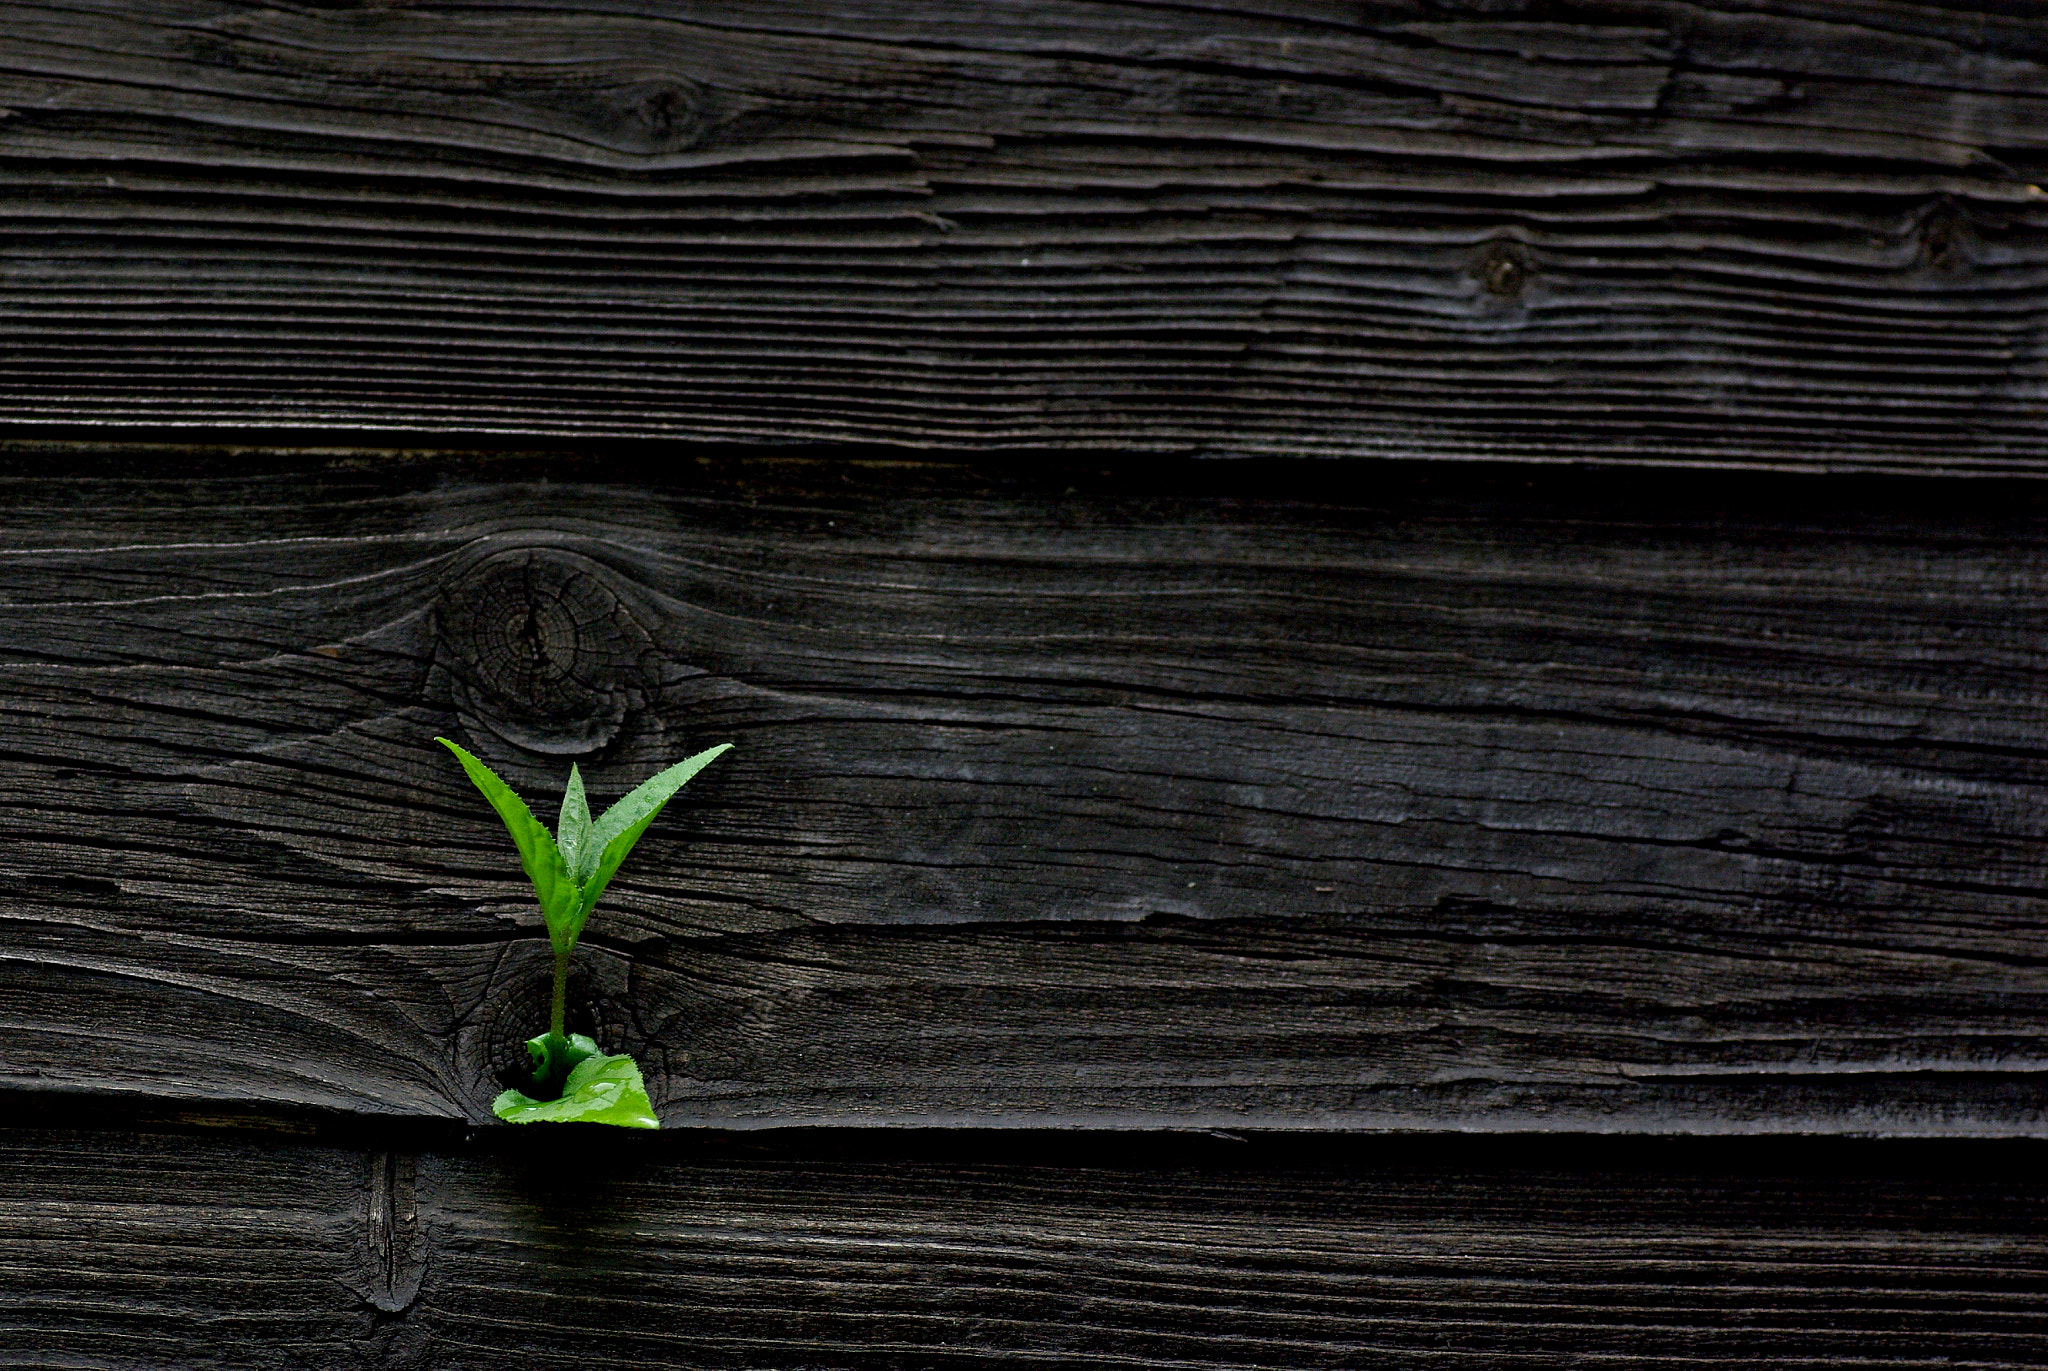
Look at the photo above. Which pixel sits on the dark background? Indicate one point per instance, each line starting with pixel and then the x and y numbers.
pixel 1385 659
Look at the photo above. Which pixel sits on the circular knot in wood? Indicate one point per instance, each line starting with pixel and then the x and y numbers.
pixel 1501 270
pixel 542 652
pixel 1945 237
pixel 652 115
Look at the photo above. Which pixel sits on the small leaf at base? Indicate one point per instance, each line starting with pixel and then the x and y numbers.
pixel 554 1058
pixel 601 1089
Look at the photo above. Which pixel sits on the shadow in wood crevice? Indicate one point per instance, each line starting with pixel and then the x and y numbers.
pixel 624 1153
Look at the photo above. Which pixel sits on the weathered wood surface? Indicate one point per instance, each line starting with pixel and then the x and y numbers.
pixel 1810 234
pixel 1276 801
pixel 152 1249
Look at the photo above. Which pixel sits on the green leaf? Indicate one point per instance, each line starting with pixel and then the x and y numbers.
pixel 554 1058
pixel 574 825
pixel 559 897
pixel 614 835
pixel 601 1089
pixel 645 800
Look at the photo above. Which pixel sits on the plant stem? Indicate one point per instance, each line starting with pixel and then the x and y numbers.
pixel 555 1012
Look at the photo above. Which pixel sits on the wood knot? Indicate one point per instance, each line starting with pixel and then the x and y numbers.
pixel 514 1007
pixel 662 114
pixel 542 652
pixel 1500 269
pixel 1945 235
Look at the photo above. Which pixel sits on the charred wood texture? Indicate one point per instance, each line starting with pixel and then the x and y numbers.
pixel 1285 799
pixel 1809 234
pixel 166 1249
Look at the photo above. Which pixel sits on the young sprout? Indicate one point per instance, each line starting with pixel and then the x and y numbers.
pixel 569 869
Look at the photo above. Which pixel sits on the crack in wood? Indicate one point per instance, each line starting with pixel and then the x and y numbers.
pixel 391 1249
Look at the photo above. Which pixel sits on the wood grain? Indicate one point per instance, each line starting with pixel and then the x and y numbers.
pixel 1277 801
pixel 1806 235
pixel 171 1249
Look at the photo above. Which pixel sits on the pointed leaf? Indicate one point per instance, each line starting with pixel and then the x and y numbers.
pixel 601 1089
pixel 614 835
pixel 645 800
pixel 574 826
pixel 559 896
pixel 607 867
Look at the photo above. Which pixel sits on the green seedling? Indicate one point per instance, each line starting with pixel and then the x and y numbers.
pixel 572 1080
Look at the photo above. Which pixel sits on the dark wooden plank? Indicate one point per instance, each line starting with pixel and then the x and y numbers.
pixel 1280 800
pixel 157 1250
pixel 167 1249
pixel 1808 235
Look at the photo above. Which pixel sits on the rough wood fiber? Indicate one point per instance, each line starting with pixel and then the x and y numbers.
pixel 1809 233
pixel 1276 801
pixel 182 1250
